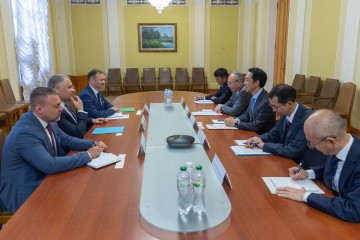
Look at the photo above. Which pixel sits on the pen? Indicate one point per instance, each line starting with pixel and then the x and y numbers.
pixel 298 168
pixel 251 143
pixel 221 120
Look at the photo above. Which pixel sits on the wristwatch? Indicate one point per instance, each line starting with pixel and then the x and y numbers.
pixel 236 124
pixel 94 144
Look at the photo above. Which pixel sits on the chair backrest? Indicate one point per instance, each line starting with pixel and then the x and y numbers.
pixel 132 75
pixel 149 75
pixel 114 76
pixel 198 75
pixel 181 75
pixel 298 82
pixel 345 99
pixel 2 97
pixel 165 75
pixel 329 90
pixel 312 84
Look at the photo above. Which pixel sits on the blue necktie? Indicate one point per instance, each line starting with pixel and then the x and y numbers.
pixel 100 101
pixel 331 171
pixel 252 103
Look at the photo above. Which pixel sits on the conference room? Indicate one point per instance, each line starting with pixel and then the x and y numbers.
pixel 314 40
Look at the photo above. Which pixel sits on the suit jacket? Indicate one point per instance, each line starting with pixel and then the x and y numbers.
pixel 92 106
pixel 347 205
pixel 262 119
pixel 76 129
pixel 28 157
pixel 221 96
pixel 238 103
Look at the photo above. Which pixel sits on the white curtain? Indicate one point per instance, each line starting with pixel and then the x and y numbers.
pixel 32 43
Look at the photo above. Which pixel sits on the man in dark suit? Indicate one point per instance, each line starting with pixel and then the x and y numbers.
pixel 239 100
pixel 259 116
pixel 94 102
pixel 34 149
pixel 224 93
pixel 325 131
pixel 77 123
pixel 287 138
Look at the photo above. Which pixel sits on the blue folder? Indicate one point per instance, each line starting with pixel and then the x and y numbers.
pixel 105 130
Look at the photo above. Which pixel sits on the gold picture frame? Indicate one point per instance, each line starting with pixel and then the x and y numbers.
pixel 157 37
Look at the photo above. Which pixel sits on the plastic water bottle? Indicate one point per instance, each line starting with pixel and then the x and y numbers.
pixel 199 183
pixel 168 98
pixel 183 186
pixel 191 171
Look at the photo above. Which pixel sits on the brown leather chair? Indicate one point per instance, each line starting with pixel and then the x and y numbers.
pixel 10 96
pixel 198 79
pixel 4 216
pixel 12 110
pixel 327 95
pixel 5 122
pixel 298 82
pixel 113 80
pixel 165 78
pixel 182 79
pixel 148 79
pixel 132 79
pixel 311 90
pixel 344 102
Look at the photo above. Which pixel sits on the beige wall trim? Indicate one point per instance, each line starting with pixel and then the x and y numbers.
pixel 106 32
pixel 199 33
pixel 306 42
pixel 299 36
pixel 270 43
pixel 248 33
pixel 113 35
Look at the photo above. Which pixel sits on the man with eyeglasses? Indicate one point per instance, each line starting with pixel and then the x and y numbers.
pixel 239 99
pixel 259 116
pixel 287 138
pixel 325 131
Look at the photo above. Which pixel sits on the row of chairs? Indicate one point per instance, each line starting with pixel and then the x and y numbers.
pixel 330 95
pixel 150 81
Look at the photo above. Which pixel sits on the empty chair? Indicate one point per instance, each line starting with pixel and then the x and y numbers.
pixel 165 79
pixel 298 82
pixel 12 110
pixel 327 95
pixel 182 79
pixel 113 80
pixel 344 102
pixel 4 216
pixel 132 79
pixel 311 89
pixel 149 79
pixel 10 96
pixel 5 122
pixel 198 79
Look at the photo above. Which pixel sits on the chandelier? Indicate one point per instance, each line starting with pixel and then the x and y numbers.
pixel 159 4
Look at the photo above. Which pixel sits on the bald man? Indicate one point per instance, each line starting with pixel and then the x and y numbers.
pixel 325 131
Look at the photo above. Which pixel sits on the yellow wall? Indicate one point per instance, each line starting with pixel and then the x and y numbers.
pixel 3 65
pixel 223 40
pixel 323 37
pixel 134 15
pixel 88 42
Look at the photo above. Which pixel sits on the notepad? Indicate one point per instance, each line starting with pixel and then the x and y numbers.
pixel 220 126
pixel 244 151
pixel 276 182
pixel 203 102
pixel 206 113
pixel 106 130
pixel 104 159
pixel 129 109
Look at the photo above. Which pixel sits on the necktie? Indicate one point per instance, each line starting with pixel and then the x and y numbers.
pixel 288 125
pixel 252 103
pixel 330 174
pixel 72 114
pixel 99 100
pixel 53 142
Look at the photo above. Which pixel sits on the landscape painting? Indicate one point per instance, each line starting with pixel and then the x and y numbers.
pixel 157 37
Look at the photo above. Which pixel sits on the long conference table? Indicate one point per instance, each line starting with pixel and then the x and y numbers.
pixel 85 203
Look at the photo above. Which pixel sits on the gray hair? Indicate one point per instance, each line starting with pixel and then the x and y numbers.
pixel 38 96
pixel 56 79
pixel 238 76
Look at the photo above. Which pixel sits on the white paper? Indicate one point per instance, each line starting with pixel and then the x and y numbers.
pixel 203 102
pixel 103 160
pixel 206 113
pixel 207 110
pixel 219 126
pixel 118 115
pixel 244 151
pixel 138 112
pixel 218 121
pixel 276 182
pixel 120 164
pixel 240 142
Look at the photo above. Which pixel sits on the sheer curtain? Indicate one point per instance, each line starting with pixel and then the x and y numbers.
pixel 32 43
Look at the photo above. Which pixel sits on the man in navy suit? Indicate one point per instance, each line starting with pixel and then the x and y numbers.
pixel 77 123
pixel 287 138
pixel 224 93
pixel 325 131
pixel 259 116
pixel 34 149
pixel 94 102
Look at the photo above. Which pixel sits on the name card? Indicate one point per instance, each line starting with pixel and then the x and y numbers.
pixel 145 109
pixel 187 110
pixel 143 124
pixel 220 170
pixel 182 101
pixel 192 119
pixel 202 137
pixel 142 147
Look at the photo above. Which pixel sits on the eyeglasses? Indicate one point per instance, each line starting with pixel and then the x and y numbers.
pixel 230 83
pixel 275 107
pixel 312 146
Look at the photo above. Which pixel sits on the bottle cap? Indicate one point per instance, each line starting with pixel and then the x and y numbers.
pixel 189 164
pixel 183 168
pixel 198 167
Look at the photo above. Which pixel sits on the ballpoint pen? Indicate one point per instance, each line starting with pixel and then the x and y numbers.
pixel 297 170
pixel 251 143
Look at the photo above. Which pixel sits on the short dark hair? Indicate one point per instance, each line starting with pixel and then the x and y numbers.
pixel 93 73
pixel 56 79
pixel 38 96
pixel 221 72
pixel 258 75
pixel 284 93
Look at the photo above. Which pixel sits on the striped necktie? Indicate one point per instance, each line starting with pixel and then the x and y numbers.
pixel 53 142
pixel 331 171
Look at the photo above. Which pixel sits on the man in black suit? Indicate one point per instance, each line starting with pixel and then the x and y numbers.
pixel 259 116
pixel 224 93
pixel 73 124
pixel 325 131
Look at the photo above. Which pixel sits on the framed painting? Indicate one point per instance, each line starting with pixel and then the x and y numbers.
pixel 157 37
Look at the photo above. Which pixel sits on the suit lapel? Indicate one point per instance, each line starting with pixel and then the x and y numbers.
pixel 42 131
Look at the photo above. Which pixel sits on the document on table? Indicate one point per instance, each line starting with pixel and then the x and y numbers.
pixel 203 102
pixel 219 126
pixel 128 109
pixel 105 130
pixel 118 115
pixel 206 112
pixel 276 182
pixel 240 142
pixel 244 151
pixel 104 159
pixel 217 121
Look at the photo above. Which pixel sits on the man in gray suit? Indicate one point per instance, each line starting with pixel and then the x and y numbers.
pixel 34 149
pixel 239 99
